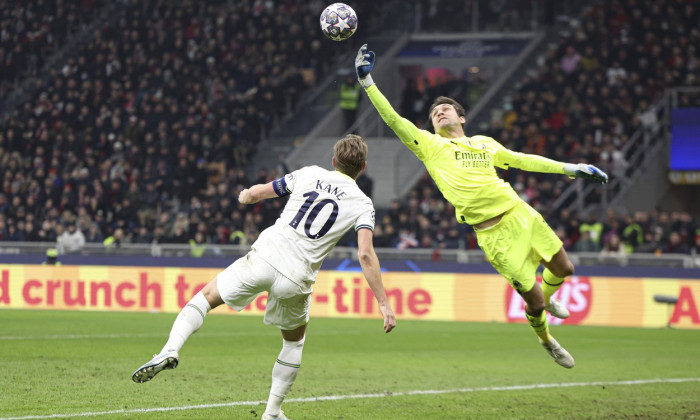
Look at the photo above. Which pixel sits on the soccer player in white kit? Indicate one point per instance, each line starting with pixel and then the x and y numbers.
pixel 284 261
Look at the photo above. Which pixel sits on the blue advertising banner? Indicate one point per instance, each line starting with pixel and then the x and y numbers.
pixel 685 140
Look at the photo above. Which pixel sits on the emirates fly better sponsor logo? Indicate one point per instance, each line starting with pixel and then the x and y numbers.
pixel 575 293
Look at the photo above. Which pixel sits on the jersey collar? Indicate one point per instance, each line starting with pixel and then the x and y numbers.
pixel 462 140
pixel 345 175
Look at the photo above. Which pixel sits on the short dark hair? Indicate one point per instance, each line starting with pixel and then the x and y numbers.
pixel 445 100
pixel 350 154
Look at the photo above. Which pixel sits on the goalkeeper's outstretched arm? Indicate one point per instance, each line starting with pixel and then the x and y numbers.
pixel 404 129
pixel 534 163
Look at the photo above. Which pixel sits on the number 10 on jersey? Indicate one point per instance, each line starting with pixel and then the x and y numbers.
pixel 311 197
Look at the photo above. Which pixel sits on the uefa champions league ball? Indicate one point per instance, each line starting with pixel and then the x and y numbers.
pixel 338 21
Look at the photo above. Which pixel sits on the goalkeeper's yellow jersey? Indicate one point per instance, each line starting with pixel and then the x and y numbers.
pixel 464 168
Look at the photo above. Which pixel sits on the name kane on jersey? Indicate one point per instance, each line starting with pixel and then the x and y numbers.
pixel 329 189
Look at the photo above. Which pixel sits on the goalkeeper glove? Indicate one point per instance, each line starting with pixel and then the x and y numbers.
pixel 363 65
pixel 582 170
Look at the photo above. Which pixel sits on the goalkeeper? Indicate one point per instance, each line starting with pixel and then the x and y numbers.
pixel 514 236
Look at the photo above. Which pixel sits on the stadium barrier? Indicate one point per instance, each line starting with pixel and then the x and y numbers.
pixel 214 255
pixel 484 297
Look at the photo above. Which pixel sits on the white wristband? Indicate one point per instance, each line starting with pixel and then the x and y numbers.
pixel 570 168
pixel 367 81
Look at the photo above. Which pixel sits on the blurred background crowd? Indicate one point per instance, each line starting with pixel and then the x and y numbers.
pixel 147 132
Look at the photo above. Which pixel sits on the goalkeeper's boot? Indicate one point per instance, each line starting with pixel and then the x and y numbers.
pixel 558 353
pixel 166 360
pixel 280 416
pixel 557 309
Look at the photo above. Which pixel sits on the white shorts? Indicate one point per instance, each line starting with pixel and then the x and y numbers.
pixel 287 302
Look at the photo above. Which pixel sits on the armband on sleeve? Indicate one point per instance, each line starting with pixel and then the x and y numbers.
pixel 280 187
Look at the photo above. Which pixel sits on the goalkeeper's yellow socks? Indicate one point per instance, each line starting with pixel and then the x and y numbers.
pixel 550 284
pixel 539 326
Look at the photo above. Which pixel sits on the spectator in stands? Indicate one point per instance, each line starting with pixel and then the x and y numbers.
pixel 647 117
pixel 614 247
pixel 614 250
pixel 633 232
pixel 651 243
pixel 586 243
pixel 675 245
pixel 695 247
pixel 144 236
pixel 70 240
pixel 13 234
pixel 94 235
pixel 115 240
pixel 198 245
pixel 349 101
pixel 593 226
pixel 570 61
pixel 589 60
pixel 661 225
pixel 616 74
pixel 31 233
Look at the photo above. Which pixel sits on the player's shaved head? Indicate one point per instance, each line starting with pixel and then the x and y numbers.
pixel 350 154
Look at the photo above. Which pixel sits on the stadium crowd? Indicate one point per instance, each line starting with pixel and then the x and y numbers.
pixel 145 133
pixel 155 117
pixel 31 31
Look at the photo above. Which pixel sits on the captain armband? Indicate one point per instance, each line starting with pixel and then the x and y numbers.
pixel 280 187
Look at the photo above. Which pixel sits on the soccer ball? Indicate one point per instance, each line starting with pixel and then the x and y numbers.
pixel 338 22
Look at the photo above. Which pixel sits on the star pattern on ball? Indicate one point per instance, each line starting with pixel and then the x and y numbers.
pixel 324 25
pixel 343 24
pixel 338 22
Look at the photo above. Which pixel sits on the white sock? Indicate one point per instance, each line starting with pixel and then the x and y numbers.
pixel 188 321
pixel 283 374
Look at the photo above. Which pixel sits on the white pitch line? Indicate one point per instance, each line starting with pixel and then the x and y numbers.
pixel 362 396
pixel 98 336
pixel 154 335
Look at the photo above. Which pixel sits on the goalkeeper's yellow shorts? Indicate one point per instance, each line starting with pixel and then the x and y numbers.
pixel 517 244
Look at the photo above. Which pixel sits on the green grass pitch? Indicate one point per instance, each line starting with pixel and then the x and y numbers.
pixel 58 364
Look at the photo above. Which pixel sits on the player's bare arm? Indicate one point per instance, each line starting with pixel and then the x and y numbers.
pixel 257 193
pixel 373 274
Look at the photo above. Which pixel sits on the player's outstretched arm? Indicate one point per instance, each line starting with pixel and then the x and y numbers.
pixel 404 129
pixel 506 158
pixel 257 193
pixel 373 274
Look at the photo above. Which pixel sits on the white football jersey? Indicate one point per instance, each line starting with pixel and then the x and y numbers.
pixel 323 205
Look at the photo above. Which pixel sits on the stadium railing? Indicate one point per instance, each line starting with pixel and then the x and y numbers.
pixel 642 149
